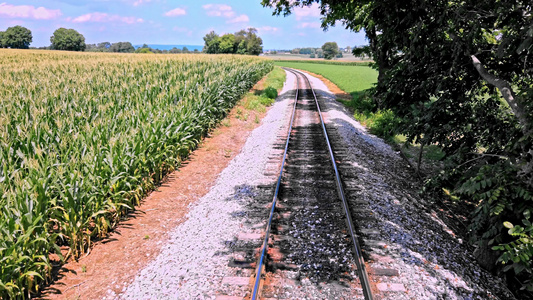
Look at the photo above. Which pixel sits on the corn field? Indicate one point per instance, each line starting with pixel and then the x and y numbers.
pixel 84 137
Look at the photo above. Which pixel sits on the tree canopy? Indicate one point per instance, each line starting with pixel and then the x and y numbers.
pixel 227 43
pixel 211 42
pixel 16 37
pixel 143 50
pixel 241 42
pixel 67 39
pixel 123 47
pixel 458 74
pixel 100 47
pixel 175 50
pixel 330 50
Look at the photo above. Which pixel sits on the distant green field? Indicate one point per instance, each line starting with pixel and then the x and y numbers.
pixel 351 79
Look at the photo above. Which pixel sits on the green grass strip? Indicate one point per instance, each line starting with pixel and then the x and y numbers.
pixel 352 79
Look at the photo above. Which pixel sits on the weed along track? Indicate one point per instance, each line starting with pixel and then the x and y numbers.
pixel 309 236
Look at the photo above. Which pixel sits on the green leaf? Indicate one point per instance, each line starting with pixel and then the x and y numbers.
pixel 507 268
pixel 33 273
pixel 518 268
pixel 508 224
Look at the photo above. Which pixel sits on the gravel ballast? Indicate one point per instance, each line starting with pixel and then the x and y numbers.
pixel 433 263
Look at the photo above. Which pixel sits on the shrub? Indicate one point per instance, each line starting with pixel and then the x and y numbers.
pixel 270 92
pixel 385 124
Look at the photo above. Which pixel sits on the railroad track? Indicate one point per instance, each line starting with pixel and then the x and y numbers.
pixel 310 231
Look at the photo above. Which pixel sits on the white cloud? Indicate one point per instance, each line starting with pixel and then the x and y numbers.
pixel 219 10
pixel 239 19
pixel 312 11
pixel 176 12
pixel 103 17
pixel 28 11
pixel 309 25
pixel 225 11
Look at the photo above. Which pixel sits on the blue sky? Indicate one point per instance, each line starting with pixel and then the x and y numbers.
pixel 183 22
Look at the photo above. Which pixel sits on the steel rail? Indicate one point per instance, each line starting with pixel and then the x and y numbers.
pixel 363 277
pixel 361 269
pixel 264 248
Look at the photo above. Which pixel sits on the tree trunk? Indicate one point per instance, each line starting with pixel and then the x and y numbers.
pixel 380 54
pixel 420 158
pixel 518 110
pixel 507 93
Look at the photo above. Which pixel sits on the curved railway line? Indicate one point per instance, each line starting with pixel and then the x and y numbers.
pixel 310 227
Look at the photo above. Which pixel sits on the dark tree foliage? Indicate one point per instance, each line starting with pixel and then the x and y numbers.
pixel 212 43
pixel 330 50
pixel 306 51
pixel 458 74
pixel 362 52
pixel 175 50
pixel 67 39
pixel 254 44
pixel 104 45
pixel 227 43
pixel 94 48
pixel 16 37
pixel 1 41
pixel 122 47
pixel 242 42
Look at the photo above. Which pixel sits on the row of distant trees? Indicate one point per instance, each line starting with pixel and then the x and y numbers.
pixel 241 42
pixel 330 50
pixel 123 47
pixel 146 49
pixel 127 47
